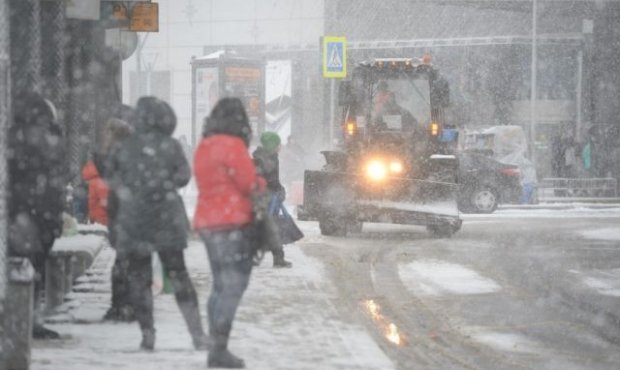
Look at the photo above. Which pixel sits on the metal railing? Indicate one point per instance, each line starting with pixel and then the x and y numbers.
pixel 567 188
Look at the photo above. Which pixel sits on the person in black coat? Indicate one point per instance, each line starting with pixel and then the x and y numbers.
pixel 145 172
pixel 268 166
pixel 38 177
pixel 120 309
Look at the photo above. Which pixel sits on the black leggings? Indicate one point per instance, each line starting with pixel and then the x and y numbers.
pixel 140 278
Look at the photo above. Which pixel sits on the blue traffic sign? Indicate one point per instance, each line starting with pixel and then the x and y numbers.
pixel 334 57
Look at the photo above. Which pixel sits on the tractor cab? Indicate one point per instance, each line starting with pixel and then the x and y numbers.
pixel 394 105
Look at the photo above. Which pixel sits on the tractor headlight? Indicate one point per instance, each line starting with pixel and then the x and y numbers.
pixel 396 167
pixel 376 170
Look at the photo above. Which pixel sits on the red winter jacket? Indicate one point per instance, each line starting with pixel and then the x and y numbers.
pixel 97 194
pixel 225 176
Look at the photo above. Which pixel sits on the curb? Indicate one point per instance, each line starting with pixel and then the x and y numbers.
pixel 559 206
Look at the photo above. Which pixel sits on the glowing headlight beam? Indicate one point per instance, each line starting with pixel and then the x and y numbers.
pixel 396 167
pixel 376 170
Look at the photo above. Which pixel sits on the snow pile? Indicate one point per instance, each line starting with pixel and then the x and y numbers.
pixel 432 277
pixel 92 229
pixel 508 342
pixel 612 233
pixel 80 243
pixel 605 282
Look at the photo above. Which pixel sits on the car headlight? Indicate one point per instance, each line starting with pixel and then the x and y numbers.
pixel 376 170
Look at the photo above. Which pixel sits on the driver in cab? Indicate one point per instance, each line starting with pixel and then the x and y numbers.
pixel 388 115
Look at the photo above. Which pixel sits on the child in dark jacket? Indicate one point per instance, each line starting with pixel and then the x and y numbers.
pixel 268 167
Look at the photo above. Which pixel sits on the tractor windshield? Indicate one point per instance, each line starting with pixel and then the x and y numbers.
pixel 399 104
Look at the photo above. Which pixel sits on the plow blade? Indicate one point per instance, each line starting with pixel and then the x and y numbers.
pixel 337 197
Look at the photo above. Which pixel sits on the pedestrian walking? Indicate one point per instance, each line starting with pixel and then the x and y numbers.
pixel 105 202
pixel 38 178
pixel 146 172
pixel 529 182
pixel 268 167
pixel 226 177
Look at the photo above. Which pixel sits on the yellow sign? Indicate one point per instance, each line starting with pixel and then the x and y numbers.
pixel 145 17
pixel 334 57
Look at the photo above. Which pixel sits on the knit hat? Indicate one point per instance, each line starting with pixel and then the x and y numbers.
pixel 270 140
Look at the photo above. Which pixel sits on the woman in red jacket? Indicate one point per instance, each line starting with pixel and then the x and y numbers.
pixel 226 177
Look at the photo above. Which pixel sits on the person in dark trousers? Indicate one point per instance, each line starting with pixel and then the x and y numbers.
pixel 226 177
pixel 38 177
pixel 114 132
pixel 146 172
pixel 268 166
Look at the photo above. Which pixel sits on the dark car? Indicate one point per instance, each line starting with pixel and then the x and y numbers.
pixel 485 183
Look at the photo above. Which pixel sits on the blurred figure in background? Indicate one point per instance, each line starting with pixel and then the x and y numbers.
pixel 268 167
pixel 146 172
pixel 79 201
pixel 97 194
pixel 103 206
pixel 293 162
pixel 529 182
pixel 38 175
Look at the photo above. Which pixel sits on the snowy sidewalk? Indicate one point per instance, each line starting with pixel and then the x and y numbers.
pixel 286 321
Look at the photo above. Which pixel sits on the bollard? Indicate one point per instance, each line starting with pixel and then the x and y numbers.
pixel 18 314
pixel 54 281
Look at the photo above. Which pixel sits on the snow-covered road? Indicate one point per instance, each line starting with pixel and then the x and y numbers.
pixel 515 289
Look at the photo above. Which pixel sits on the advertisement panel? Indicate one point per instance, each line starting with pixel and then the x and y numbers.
pixel 244 82
pixel 207 94
pixel 278 102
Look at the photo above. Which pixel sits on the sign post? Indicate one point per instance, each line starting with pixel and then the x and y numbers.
pixel 334 66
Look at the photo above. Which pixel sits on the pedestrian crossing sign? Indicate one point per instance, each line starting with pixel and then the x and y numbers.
pixel 334 57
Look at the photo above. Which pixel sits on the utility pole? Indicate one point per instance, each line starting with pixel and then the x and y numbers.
pixel 141 44
pixel 533 85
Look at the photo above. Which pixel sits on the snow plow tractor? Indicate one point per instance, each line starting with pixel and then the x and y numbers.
pixel 393 165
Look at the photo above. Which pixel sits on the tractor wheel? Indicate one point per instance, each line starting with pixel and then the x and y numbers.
pixel 333 227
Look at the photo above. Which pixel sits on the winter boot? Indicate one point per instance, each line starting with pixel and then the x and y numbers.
pixel 221 357
pixel 41 332
pixel 125 314
pixel 112 314
pixel 148 339
pixel 280 262
pixel 188 305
